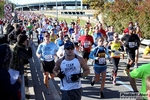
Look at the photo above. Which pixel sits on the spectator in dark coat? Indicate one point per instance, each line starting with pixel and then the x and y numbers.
pixel 8 90
pixel 21 52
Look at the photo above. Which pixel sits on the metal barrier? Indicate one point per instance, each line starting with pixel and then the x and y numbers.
pixel 1 29
pixel 73 13
pixel 22 89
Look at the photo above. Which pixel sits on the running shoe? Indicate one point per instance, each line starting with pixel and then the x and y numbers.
pixel 111 77
pixel 101 94
pixel 92 82
pixel 114 82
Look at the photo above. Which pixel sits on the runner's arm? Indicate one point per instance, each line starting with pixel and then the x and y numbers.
pixel 57 67
pixel 92 54
pixel 84 66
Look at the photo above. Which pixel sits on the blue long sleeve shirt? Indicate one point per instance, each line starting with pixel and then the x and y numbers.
pixel 95 53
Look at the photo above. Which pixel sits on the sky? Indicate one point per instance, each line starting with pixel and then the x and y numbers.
pixel 36 1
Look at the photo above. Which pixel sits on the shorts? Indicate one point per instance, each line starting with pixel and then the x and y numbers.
pixel 30 33
pixel 99 70
pixel 48 66
pixel 74 94
pixel 85 54
pixel 131 55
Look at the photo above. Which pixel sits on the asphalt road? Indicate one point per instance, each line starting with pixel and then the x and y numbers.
pixel 111 92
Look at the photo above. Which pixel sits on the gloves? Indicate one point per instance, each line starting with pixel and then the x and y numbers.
pixel 75 77
pixel 61 75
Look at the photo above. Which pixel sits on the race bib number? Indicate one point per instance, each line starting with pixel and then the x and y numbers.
pixel 111 38
pixel 131 44
pixel 117 53
pixel 86 45
pixel 48 57
pixel 76 38
pixel 102 61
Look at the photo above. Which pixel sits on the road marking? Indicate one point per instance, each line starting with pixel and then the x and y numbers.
pixel 120 82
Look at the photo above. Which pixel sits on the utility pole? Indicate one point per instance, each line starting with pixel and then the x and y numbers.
pixel 76 4
pixel 81 5
pixel 6 1
pixel 56 10
pixel 39 6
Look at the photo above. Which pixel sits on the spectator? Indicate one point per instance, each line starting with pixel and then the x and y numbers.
pixel 20 53
pixel 8 91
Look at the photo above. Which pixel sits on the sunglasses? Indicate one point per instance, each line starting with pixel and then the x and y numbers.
pixel 101 41
pixel 47 36
pixel 116 36
pixel 69 48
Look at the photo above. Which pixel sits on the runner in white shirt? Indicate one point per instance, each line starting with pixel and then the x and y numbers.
pixel 68 69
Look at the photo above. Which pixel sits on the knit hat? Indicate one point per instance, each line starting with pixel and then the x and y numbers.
pixel 5 56
pixel 21 38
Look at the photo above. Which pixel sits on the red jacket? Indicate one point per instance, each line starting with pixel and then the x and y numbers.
pixel 103 32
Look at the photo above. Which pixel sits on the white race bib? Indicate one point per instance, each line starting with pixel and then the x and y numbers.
pixel 86 45
pixel 111 37
pixel 117 53
pixel 102 60
pixel 48 57
pixel 131 44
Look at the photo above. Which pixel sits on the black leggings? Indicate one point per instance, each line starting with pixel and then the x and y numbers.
pixel 115 62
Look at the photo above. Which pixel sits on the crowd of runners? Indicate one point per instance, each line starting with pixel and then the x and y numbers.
pixel 73 45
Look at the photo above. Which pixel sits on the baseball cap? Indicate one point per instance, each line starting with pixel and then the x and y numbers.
pixel 68 44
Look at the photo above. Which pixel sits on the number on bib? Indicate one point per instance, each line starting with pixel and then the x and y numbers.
pixel 131 44
pixel 86 45
pixel 102 60
pixel 48 57
pixel 117 53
